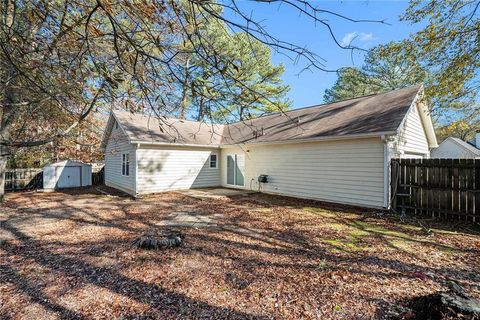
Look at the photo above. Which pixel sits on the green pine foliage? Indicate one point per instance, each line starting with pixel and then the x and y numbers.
pixel 245 83
pixel 386 67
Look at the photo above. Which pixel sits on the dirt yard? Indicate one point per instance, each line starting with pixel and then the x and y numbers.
pixel 69 255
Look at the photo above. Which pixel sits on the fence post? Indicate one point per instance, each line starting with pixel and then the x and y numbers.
pixel 393 183
pixel 476 193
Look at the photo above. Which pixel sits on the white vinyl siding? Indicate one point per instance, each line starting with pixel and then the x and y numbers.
pixel 172 168
pixel 412 141
pixel 118 145
pixel 343 171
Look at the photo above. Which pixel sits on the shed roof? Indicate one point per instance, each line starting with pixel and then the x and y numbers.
pixel 373 115
pixel 67 163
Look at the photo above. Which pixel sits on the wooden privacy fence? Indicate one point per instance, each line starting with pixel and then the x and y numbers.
pixel 23 179
pixel 447 188
pixel 98 177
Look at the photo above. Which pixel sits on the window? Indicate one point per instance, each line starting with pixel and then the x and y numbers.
pixel 213 161
pixel 125 164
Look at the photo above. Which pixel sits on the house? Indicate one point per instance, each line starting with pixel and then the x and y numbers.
pixel 454 148
pixel 338 152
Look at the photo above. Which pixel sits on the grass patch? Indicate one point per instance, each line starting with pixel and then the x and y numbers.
pixel 320 212
pixel 367 227
pixel 348 245
pixel 402 245
pixel 358 233
pixel 339 226
pixel 324 265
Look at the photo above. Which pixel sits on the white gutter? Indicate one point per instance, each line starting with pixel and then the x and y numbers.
pixel 317 139
pixel 386 172
pixel 227 145
pixel 176 144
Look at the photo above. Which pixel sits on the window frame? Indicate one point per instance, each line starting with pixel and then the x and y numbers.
pixel 210 161
pixel 235 157
pixel 125 167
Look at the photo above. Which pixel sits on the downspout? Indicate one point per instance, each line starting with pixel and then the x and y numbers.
pixel 136 170
pixel 386 171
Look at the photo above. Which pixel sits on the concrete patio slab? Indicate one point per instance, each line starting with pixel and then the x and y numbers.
pixel 190 219
pixel 214 193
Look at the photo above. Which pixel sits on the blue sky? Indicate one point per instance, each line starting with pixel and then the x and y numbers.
pixel 308 87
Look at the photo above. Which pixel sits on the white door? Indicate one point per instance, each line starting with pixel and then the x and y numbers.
pixel 69 177
pixel 236 170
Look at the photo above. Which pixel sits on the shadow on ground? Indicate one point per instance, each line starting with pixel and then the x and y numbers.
pixel 268 257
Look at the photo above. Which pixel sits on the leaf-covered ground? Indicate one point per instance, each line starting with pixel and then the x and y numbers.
pixel 69 255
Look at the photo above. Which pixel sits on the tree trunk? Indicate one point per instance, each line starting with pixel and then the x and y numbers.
pixel 184 91
pixel 3 165
pixel 201 110
pixel 242 110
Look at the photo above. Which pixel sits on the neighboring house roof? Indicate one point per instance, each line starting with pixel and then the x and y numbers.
pixel 374 115
pixel 465 145
pixel 473 141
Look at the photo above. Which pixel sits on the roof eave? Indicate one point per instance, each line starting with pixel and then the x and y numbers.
pixel 157 143
pixel 108 131
pixel 316 139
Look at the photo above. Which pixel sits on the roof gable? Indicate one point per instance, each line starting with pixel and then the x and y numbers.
pixel 141 128
pixel 112 119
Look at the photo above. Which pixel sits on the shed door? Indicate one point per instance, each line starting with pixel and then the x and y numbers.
pixel 69 177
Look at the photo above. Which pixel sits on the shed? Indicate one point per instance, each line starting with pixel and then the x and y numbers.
pixel 67 174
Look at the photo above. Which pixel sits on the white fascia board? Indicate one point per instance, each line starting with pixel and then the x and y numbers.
pixel 166 144
pixel 319 139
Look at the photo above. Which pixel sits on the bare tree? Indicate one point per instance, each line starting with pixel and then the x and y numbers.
pixel 61 60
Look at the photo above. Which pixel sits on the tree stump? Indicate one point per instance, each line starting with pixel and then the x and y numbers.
pixel 160 241
pixel 453 304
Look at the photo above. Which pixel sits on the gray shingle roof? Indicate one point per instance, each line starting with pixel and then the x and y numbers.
pixel 370 115
pixel 145 128
pixel 466 145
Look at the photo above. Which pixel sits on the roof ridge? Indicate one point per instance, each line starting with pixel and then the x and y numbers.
pixel 331 103
pixel 280 112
